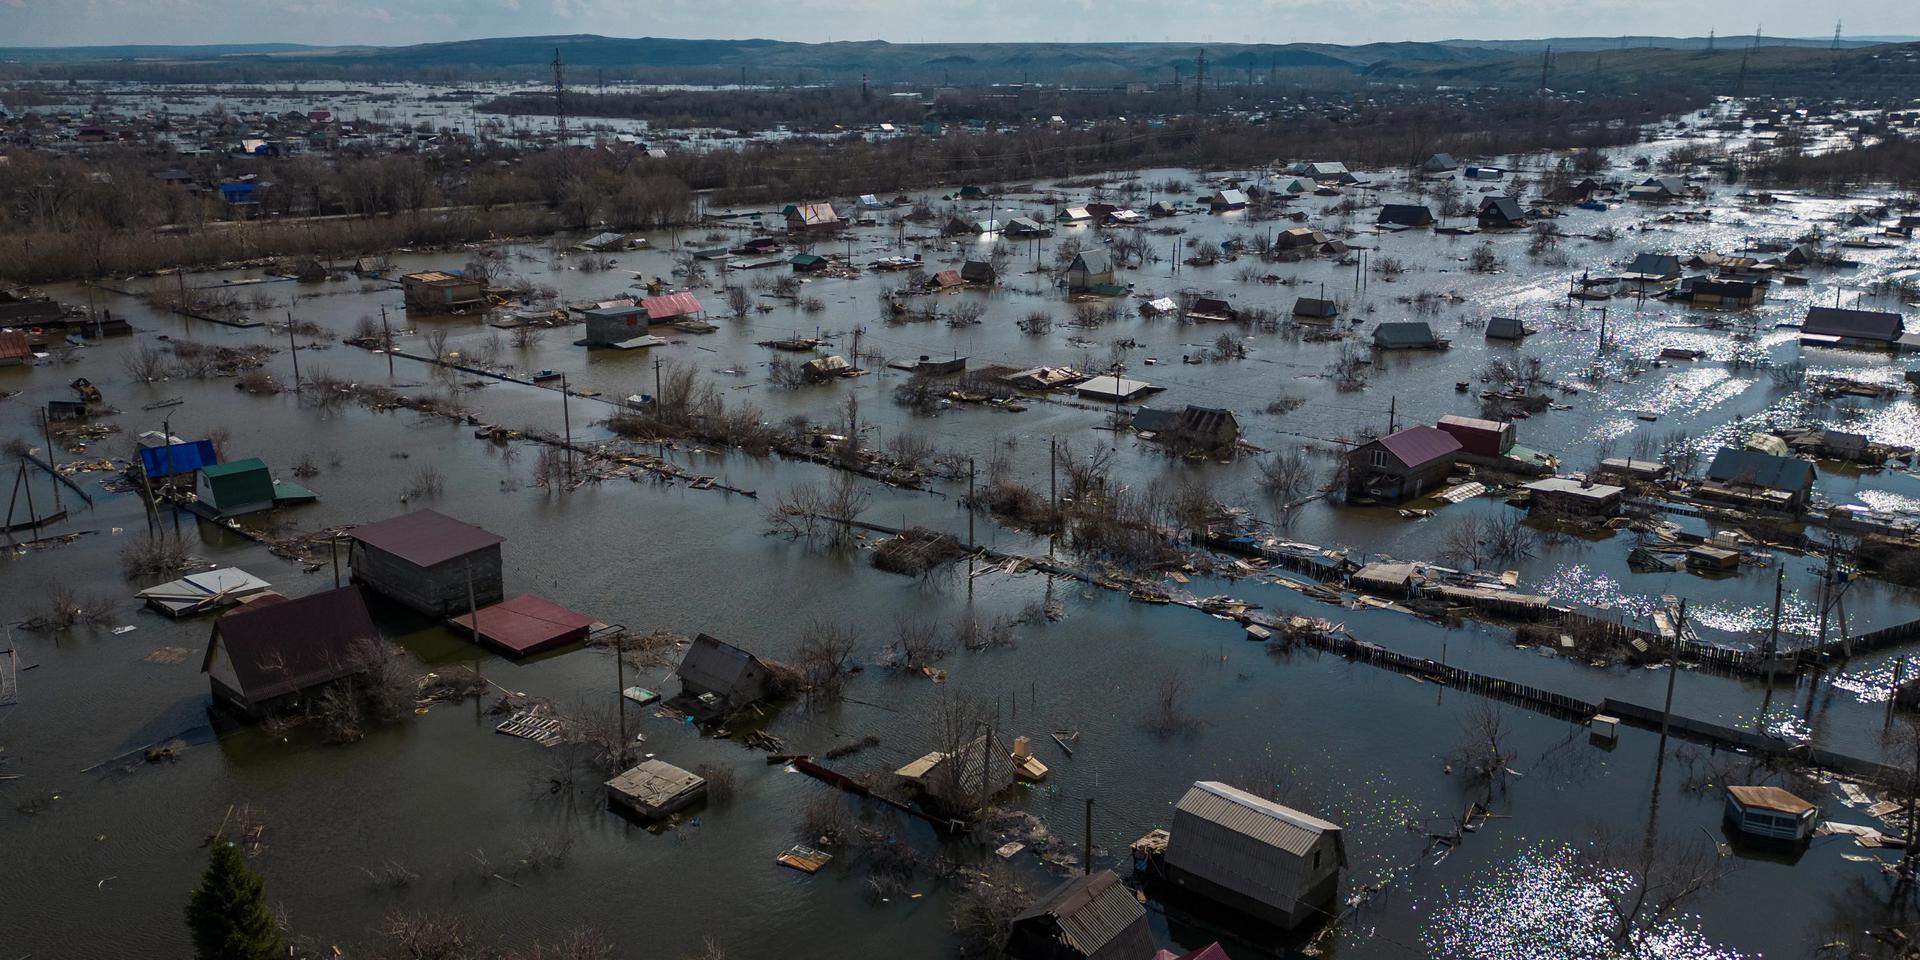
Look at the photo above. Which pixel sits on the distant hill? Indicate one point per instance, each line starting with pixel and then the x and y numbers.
pixel 1776 65
pixel 142 51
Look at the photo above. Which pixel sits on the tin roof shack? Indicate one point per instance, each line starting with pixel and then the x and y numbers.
pixel 1406 335
pixel 1405 215
pixel 1091 917
pixel 265 656
pixel 1485 438
pixel 244 486
pixel 611 326
pixel 980 273
pixel 1193 429
pixel 428 561
pixel 1573 497
pixel 1315 310
pixel 965 781
pixel 524 626
pixel 1653 268
pixel 1230 199
pixel 813 216
pixel 1271 862
pixel 1770 813
pixel 1501 213
pixel 165 462
pixel 1090 270
pixel 1113 389
pixel 1508 328
pixel 655 790
pixel 1723 294
pixel 436 291
pixel 14 351
pixel 719 678
pixel 1858 329
pixel 1752 478
pixel 1401 465
pixel 672 307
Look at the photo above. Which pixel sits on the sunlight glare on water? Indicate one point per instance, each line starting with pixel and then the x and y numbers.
pixel 1543 903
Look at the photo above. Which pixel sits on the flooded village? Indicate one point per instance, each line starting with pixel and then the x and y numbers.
pixel 517 534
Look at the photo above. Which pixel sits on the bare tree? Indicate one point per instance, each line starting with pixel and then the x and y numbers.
pixel 739 301
pixel 1483 752
pixel 825 660
pixel 436 341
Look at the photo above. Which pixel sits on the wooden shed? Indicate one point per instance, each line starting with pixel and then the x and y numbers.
pixel 438 290
pixel 1770 813
pixel 1090 917
pixel 655 789
pixel 722 677
pixel 1260 858
pixel 428 561
pixel 269 653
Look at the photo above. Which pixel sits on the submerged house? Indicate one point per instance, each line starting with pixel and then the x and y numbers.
pixel 1402 464
pixel 428 561
pixel 1405 215
pixel 1749 476
pixel 1860 329
pixel 1770 813
pixel 241 487
pixel 439 291
pixel 1271 862
pixel 813 216
pixel 1498 213
pixel 1228 199
pixel 610 326
pixel 722 677
pixel 1192 428
pixel 1653 268
pixel 1508 328
pixel 1090 270
pixel 271 653
pixel 1315 310
pixel 1723 293
pixel 1090 917
pixel 1406 335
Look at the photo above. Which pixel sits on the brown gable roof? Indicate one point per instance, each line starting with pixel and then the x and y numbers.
pixel 424 537
pixel 279 646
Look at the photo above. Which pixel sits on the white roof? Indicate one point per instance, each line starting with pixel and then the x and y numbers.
pixel 1598 491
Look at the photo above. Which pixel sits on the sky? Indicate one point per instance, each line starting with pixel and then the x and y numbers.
pixel 394 22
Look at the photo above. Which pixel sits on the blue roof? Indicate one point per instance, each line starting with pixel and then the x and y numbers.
pixel 177 458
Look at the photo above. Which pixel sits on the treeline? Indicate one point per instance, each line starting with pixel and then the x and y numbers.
pixel 68 217
pixel 1893 161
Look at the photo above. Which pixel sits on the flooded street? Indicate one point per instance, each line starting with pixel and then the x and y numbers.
pixel 438 812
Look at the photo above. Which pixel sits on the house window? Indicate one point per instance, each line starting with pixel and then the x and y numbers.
pixel 1378 458
pixel 1316 859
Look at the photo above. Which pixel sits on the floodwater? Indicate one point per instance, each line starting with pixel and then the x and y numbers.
pixel 116 846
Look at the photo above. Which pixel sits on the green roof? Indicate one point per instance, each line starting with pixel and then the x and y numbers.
pixel 238 485
pixel 229 469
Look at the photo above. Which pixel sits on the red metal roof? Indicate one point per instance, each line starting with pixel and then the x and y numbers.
pixel 424 538
pixel 1418 445
pixel 278 646
pixel 671 305
pixel 527 625
pixel 13 345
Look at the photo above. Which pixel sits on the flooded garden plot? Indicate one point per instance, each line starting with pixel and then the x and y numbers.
pixel 434 811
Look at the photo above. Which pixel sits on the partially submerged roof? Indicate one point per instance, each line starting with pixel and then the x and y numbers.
pixel 1089 911
pixel 1573 486
pixel 670 305
pixel 204 591
pixel 1756 469
pixel 1770 798
pixel 279 646
pixel 714 665
pixel 526 625
pixel 1261 821
pixel 425 537
pixel 1853 324
pixel 173 458
pixel 1420 444
pixel 1114 388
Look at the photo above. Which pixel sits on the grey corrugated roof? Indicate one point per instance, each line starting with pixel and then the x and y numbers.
pixel 1854 324
pixel 1094 261
pixel 1261 821
pixel 1753 468
pixel 1091 911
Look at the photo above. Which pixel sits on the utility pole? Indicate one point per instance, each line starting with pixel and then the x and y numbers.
pixel 386 345
pixel 1673 668
pixel 295 347
pixel 656 387
pixel 1393 411
pixel 620 690
pixel 566 423
pixel 53 463
pixel 559 97
pixel 1053 492
pixel 1087 860
pixel 1200 78
pixel 1773 637
pixel 1546 69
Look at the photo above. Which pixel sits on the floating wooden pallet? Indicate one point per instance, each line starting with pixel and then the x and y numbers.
pixel 544 731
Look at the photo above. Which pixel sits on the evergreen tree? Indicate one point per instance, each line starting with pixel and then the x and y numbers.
pixel 228 914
